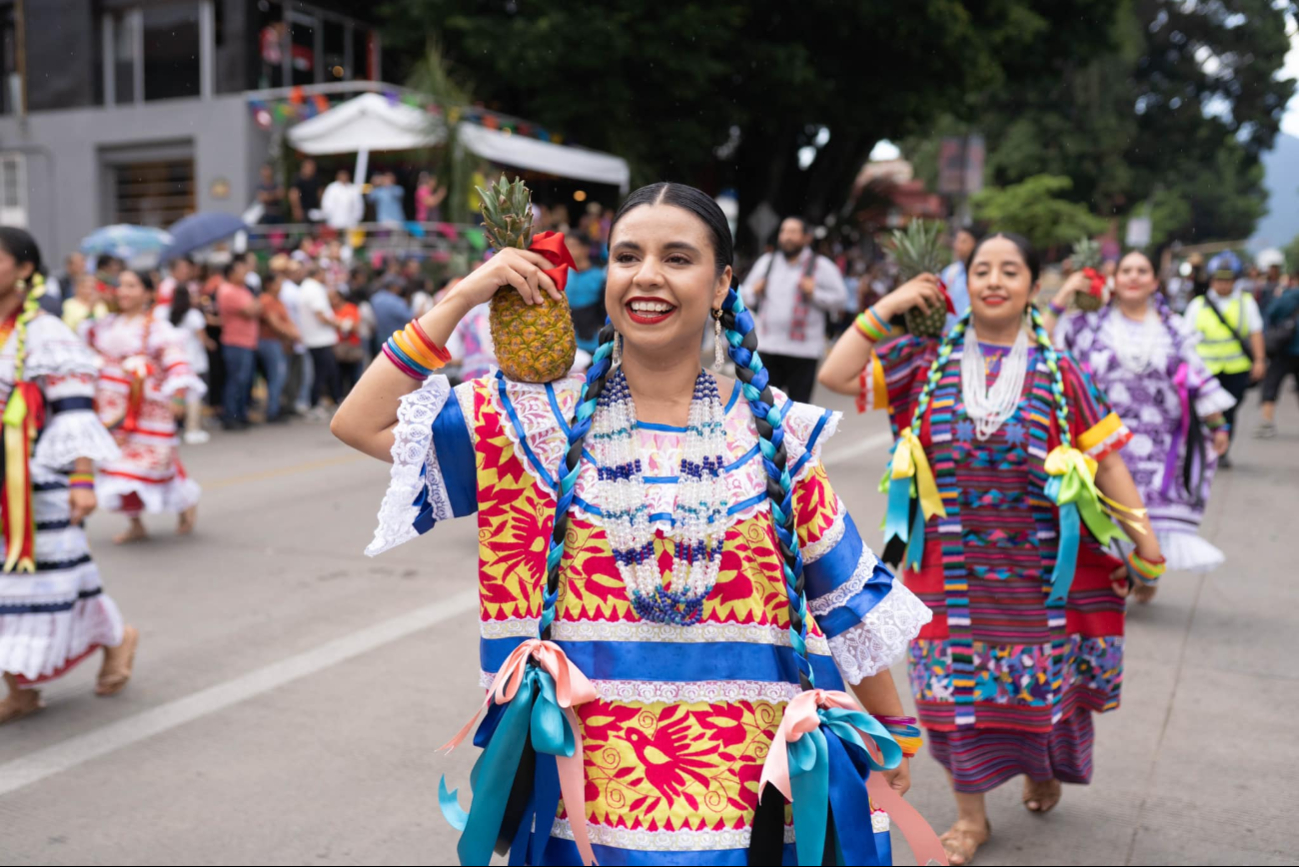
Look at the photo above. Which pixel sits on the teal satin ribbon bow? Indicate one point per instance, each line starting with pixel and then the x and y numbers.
pixel 533 712
pixel 809 772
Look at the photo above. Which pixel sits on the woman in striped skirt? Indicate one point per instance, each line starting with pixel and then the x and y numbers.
pixel 53 611
pixel 1003 485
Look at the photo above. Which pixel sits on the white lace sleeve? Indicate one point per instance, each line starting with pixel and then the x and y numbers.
pixel 72 435
pixel 882 637
pixel 414 468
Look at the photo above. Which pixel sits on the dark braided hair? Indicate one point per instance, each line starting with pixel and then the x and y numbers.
pixel 754 382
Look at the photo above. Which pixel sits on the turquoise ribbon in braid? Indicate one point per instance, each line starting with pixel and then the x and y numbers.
pixel 596 376
pixel 755 384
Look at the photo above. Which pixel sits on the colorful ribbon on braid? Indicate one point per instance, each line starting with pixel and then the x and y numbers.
pixel 531 737
pixel 24 414
pixel 826 746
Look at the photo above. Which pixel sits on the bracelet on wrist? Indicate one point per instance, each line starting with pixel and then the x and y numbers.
pixel 1146 572
pixel 414 353
pixel 1057 310
pixel 81 480
pixel 1217 424
pixel 872 326
pixel 905 731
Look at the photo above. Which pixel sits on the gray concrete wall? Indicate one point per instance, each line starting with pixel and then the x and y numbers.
pixel 65 187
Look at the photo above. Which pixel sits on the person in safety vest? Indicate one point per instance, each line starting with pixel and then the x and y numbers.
pixel 1231 334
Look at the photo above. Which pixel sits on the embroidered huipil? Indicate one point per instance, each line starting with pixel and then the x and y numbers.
pixel 1175 389
pixel 675 742
pixel 995 655
pixel 149 466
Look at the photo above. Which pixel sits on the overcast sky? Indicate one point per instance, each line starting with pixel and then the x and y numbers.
pixel 1290 123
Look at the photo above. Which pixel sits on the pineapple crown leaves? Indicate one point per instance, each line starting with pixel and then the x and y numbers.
pixel 918 249
pixel 1086 253
pixel 507 213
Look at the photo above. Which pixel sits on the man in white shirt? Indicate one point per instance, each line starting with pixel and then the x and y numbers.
pixel 341 202
pixel 320 333
pixel 297 385
pixel 793 290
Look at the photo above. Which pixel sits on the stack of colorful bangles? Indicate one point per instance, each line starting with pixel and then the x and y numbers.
pixel 871 326
pixel 1146 572
pixel 1057 310
pixel 414 353
pixel 904 731
pixel 1217 424
pixel 81 480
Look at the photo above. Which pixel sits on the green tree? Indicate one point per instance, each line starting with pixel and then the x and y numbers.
pixel 1036 208
pixel 1291 252
pixel 781 103
pixel 1174 114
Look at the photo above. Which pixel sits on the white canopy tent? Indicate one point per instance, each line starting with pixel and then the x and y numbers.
pixel 371 122
pixel 540 156
pixel 367 123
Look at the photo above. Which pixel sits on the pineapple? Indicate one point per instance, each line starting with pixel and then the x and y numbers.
pixel 534 343
pixel 1086 255
pixel 917 250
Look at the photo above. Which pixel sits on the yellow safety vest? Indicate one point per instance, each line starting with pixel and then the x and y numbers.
pixel 1221 346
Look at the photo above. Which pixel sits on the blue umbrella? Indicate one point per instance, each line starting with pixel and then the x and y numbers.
pixel 199 230
pixel 136 245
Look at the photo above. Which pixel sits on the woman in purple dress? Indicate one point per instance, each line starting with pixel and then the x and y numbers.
pixel 1142 357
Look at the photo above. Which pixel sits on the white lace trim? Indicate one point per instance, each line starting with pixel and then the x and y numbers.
pixel 412 450
pixel 833 536
pixel 683 840
pixel 174 495
pixel 1188 552
pixel 882 637
pixel 52 350
pixel 682 692
pixel 1213 399
pixel 659 633
pixel 840 595
pixel 186 381
pixel 71 435
pixel 34 645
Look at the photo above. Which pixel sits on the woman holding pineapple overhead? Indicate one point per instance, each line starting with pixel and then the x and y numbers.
pixel 1004 478
pixel 1143 357
pixel 669 586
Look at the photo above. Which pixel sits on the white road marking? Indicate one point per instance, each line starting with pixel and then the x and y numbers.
pixel 859 448
pixel 74 751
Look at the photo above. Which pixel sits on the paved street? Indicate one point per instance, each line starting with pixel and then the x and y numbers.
pixel 290 692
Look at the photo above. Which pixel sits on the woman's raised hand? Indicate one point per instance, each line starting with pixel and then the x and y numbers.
pixel 522 269
pixel 923 292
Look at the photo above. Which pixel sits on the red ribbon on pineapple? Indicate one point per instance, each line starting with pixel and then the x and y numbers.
pixel 551 246
pixel 1096 286
pixel 947 299
pixel 24 414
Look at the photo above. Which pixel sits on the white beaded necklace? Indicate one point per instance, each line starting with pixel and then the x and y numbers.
pixel 990 407
pixel 1136 345
pixel 699 513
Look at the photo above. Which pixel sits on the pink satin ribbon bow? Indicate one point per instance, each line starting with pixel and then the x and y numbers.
pixel 571 689
pixel 799 719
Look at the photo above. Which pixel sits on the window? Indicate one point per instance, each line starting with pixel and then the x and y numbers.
pixel 123 29
pixel 10 86
pixel 13 190
pixel 302 47
pixel 335 60
pixel 171 50
pixel 361 55
pixel 272 35
pixel 155 192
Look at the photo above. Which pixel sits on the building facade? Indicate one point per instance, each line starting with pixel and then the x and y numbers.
pixel 137 111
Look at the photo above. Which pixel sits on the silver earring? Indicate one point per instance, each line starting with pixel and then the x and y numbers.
pixel 617 351
pixel 719 354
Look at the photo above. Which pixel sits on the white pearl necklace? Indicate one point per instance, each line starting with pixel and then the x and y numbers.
pixel 698 514
pixel 989 408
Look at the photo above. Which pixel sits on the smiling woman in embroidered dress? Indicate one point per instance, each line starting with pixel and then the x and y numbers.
pixel 1027 641
pixel 706 573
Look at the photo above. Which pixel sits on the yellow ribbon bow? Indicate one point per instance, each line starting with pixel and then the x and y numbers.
pixel 909 461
